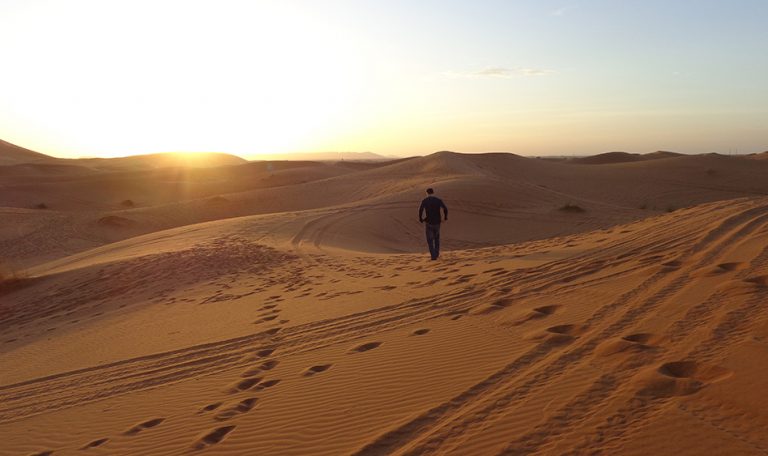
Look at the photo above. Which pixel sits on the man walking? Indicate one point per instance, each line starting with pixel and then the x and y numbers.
pixel 431 205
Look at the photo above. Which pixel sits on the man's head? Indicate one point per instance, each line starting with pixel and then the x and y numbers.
pixel 430 191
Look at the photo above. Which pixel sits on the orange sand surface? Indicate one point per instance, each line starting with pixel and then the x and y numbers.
pixel 289 308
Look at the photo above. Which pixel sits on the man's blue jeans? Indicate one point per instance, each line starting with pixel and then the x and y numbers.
pixel 433 239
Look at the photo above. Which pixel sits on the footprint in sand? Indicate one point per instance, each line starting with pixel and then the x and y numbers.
pixel 244 385
pixel 671 265
pixel 681 378
pixel 562 334
pixel 210 407
pixel 639 338
pixel 495 306
pixel 43 453
pixel 265 352
pixel 145 425
pixel 464 278
pixel 569 330
pixel 633 343
pixel 455 315
pixel 252 372
pixel 244 406
pixel 265 366
pixel 420 332
pixel 727 267
pixel 95 443
pixel 269 364
pixel 213 437
pixel 365 347
pixel 720 269
pixel 537 314
pixel 267 384
pixel 545 311
pixel 316 369
pixel 693 369
pixel 758 281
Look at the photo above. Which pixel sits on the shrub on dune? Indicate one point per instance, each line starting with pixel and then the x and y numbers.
pixel 568 207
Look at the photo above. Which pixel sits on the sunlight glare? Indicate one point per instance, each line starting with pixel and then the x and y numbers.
pixel 241 77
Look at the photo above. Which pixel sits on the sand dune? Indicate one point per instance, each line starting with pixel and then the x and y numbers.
pixel 326 156
pixel 495 192
pixel 162 160
pixel 621 157
pixel 302 317
pixel 11 154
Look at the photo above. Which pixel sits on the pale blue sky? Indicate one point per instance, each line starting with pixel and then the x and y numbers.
pixel 394 77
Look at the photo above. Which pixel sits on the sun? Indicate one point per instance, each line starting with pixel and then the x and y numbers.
pixel 243 77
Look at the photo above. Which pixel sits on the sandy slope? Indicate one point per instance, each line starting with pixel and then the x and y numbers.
pixel 628 331
pixel 503 198
pixel 11 154
pixel 613 340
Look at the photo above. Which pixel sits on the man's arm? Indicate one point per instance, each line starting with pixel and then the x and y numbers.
pixel 421 211
pixel 445 209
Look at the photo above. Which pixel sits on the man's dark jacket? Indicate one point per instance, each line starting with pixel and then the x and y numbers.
pixel 432 205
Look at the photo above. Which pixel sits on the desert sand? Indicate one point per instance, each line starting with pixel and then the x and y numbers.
pixel 612 305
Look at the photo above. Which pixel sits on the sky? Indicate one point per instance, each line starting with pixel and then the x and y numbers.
pixel 394 77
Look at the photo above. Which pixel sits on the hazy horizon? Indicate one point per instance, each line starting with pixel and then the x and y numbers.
pixel 397 79
pixel 361 155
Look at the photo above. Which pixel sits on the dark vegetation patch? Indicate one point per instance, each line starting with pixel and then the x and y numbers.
pixel 573 208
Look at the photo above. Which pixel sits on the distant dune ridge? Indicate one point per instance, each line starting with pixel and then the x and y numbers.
pixel 11 154
pixel 497 191
pixel 325 156
pixel 611 304
pixel 621 157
